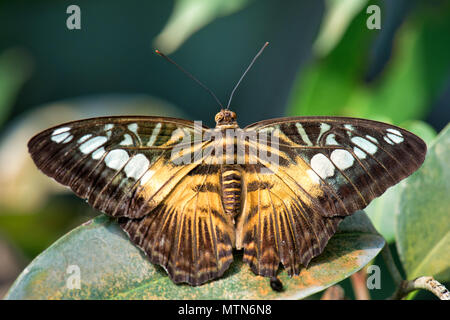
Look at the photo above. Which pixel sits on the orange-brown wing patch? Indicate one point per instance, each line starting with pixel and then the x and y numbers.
pixel 189 233
pixel 277 225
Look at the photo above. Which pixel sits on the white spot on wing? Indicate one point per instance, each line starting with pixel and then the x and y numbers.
pixel 365 144
pixel 115 159
pixel 324 127
pixel 342 159
pixel 331 140
pixel 84 138
pixel 61 137
pixel 60 130
pixel 133 127
pixel 127 140
pixel 322 166
pixel 349 127
pixel 395 138
pixel 303 134
pixel 108 128
pixel 97 154
pixel 371 138
pixel 388 140
pixel 394 131
pixel 155 133
pixel 92 144
pixel 136 167
pixel 359 153
pixel 68 139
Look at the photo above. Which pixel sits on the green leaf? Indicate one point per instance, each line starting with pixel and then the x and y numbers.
pixel 423 224
pixel 383 210
pixel 15 69
pixel 111 267
pixel 405 89
pixel 418 69
pixel 189 16
pixel 327 85
pixel 338 15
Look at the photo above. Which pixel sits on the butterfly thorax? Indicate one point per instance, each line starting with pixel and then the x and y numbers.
pixel 226 119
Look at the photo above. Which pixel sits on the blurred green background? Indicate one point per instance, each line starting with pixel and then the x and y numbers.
pixel 322 60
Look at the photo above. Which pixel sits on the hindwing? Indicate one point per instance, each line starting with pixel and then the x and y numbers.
pixel 189 233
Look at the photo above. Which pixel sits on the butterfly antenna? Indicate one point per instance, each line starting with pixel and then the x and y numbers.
pixel 243 75
pixel 190 76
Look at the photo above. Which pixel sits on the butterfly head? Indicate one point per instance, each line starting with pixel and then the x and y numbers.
pixel 226 119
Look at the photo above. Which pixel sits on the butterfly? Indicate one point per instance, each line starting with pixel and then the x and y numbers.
pixel 189 215
pixel 188 195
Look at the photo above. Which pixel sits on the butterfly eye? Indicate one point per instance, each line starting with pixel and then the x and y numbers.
pixel 219 117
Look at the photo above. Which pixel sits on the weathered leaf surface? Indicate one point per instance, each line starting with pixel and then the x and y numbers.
pixel 423 222
pixel 383 210
pixel 111 267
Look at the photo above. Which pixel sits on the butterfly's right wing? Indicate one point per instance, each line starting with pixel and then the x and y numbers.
pixel 123 166
pixel 325 168
pixel 189 233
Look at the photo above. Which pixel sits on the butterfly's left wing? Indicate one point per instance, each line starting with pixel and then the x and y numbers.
pixel 313 172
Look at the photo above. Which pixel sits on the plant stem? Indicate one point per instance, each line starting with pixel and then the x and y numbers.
pixel 426 283
pixel 406 286
pixel 333 293
pixel 359 285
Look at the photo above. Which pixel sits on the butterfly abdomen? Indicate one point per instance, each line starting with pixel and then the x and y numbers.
pixel 231 189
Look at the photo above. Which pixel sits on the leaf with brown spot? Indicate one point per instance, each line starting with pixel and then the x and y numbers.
pixel 111 267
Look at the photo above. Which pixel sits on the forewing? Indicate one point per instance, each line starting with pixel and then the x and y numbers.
pixel 340 164
pixel 123 166
pixel 188 234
